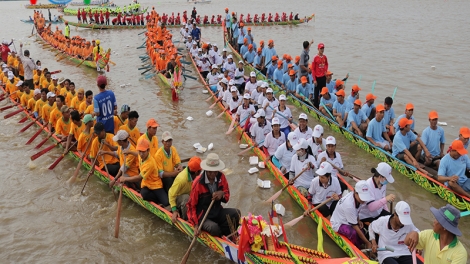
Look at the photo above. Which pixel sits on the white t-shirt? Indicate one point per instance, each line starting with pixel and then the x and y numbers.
pixel 286 113
pixel 388 237
pixel 193 51
pixel 261 98
pixel 345 212
pixel 269 110
pixel 320 193
pixel 241 74
pixel 297 166
pixel 306 134
pixel 250 87
pixel 259 133
pixel 212 79
pixel 376 194
pixel 230 67
pixel 205 66
pixel 233 103
pixel 336 161
pixel 284 155
pixel 222 94
pixel 244 112
pixel 272 143
pixel 316 148
pixel 214 57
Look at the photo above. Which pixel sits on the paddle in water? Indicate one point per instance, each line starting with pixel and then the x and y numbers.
pixel 278 193
pixel 13 113
pixel 53 165
pixel 92 170
pixel 118 214
pixel 44 151
pixel 77 169
pixel 294 221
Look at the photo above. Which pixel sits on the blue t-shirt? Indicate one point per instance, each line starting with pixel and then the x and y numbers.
pixel 367 109
pixel 331 86
pixel 277 75
pixel 388 115
pixel 249 56
pixel 358 118
pixel 235 30
pixel 104 104
pixel 402 142
pixel 296 67
pixel 375 130
pixel 196 33
pixel 330 101
pixel 243 49
pixel 292 85
pixel 342 108
pixel 228 20
pixel 450 167
pixel 270 71
pixel 257 60
pixel 397 128
pixel 433 139
pixel 285 78
pixel 241 35
pixel 303 90
pixel 351 99
pixel 268 53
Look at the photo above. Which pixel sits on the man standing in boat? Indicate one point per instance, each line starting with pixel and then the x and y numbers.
pixel 105 105
pixel 67 30
pixel 319 70
pixel 28 66
pixel 212 185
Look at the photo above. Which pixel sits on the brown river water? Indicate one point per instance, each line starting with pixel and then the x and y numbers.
pixel 395 43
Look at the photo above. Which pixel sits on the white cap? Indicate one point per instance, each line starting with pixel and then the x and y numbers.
pixel 214 66
pixel 39 68
pixel 240 62
pixel 259 83
pixel 167 136
pixel 208 43
pixel 231 82
pixel 229 56
pixel 302 144
pixel 317 131
pixel 5 70
pixel 246 96
pixel 221 76
pixel 260 113
pixel 385 170
pixel 200 49
pixel 275 121
pixel 233 89
pixel 330 140
pixel 185 28
pixel 362 188
pixel 303 116
pixel 403 211
pixel 4 65
pixel 224 49
pixel 54 77
pixel 224 80
pixel 10 75
pixel 252 74
pixel 194 43
pixel 214 45
pixel 19 83
pixel 292 137
pixel 121 135
pixel 264 85
pixel 269 90
pixel 50 94
pixel 37 91
pixel 325 167
pixel 282 97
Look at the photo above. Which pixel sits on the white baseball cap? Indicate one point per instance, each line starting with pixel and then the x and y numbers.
pixel 229 56
pixel 260 113
pixel 214 66
pixel 120 135
pixel 233 89
pixel 275 121
pixel 302 144
pixel 19 83
pixel 362 189
pixel 37 91
pixel 252 74
pixel 10 75
pixel 224 49
pixel 214 45
pixel 221 76
pixel 200 49
pixel 241 62
pixel 54 77
pixel 292 137
pixel 194 43
pixel 385 170
pixel 403 211
pixel 231 82
pixel 224 80
pixel 303 116
pixel 264 85
pixel 269 90
pixel 50 94
pixel 317 131
pixel 282 97
pixel 259 83
pixel 330 140
pixel 246 96
pixel 325 167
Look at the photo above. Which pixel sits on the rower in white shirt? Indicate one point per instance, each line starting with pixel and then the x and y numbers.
pixel 284 114
pixel 204 66
pixel 230 66
pixel 316 142
pixel 239 77
pixel 262 95
pixel 234 101
pixel 252 84
pixel 214 56
pixel 260 128
pixel 330 155
pixel 392 231
pixel 269 103
pixel 245 111
pixel 274 139
pixel 194 50
pixel 213 78
pixel 303 130
pixel 283 156
pixel 302 160
pixel 323 187
pixel 256 93
pixel 189 43
pixel 224 58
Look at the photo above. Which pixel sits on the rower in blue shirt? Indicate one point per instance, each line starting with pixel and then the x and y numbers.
pixel 357 120
pixel 369 108
pixel 249 56
pixel 341 108
pixel 292 83
pixel 278 74
pixel 376 131
pixel 409 115
pixel 453 167
pixel 303 90
pixel 271 68
pixel 257 60
pixel 434 139
pixel 327 100
pixel 407 146
pixel 354 94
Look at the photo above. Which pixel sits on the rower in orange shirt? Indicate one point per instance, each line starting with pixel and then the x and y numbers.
pixel 56 114
pixel 27 94
pixel 32 101
pixel 54 86
pixel 122 118
pixel 63 125
pixel 86 107
pixel 49 107
pixel 70 94
pixel 47 81
pixel 131 127
pixel 76 128
pixel 77 100
pixel 86 135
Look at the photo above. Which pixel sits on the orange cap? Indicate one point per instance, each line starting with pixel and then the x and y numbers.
pixel 358 102
pixel 284 56
pixel 356 88
pixel 250 47
pixel 433 115
pixel 279 63
pixel 329 73
pixel 226 9
pixel 338 83
pixel 194 164
pixel 205 46
pixel 152 123
pixel 409 106
pixel 143 145
pixel 457 145
pixel 340 93
pixel 465 132
pixel 379 107
pixel 370 97
pixel 249 28
pixel 303 79
pixel 292 72
pixel 271 41
pixel 274 58
pixel 241 24
pixel 261 42
pixel 259 49
pixel 297 58
pixel 290 65
pixel 245 40
pixel 404 122
pixel 324 90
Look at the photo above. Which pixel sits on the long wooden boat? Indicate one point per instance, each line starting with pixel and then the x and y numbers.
pixel 43 6
pixel 287 253
pixel 344 243
pixel 113 13
pixel 29 21
pixel 92 3
pixel 425 181
pixel 102 62
pixel 99 26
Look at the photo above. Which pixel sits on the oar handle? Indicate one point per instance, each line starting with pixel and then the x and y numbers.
pixel 295 178
pixel 345 173
pixel 320 205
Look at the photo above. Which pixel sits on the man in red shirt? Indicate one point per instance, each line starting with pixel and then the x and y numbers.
pixel 319 69
pixel 107 16
pixel 84 20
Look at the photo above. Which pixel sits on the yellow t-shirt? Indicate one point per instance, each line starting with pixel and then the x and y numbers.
pixel 31 104
pixel 75 104
pixel 181 185
pixel 83 141
pixel 25 98
pixel 11 89
pixel 38 106
pixel 54 89
pixel 85 109
pixel 69 97
pixel 46 112
pixel 55 115
pixel 132 162
pixel 167 163
pixel 118 123
pixel 45 83
pixel 63 91
pixel 108 159
pixel 77 130
pixel 149 174
pixel 153 143
pixel 62 127
pixel 455 252
pixel 36 78
pixel 134 134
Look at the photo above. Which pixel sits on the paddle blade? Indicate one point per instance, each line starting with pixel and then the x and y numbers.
pixel 23 119
pixel 53 165
pixel 220 115
pixel 462 214
pixel 41 143
pixel 275 196
pixel 34 137
pixel 13 113
pixel 118 215
pixel 212 105
pixel 174 95
pixel 42 152
pixel 27 126
pixel 244 151
pixel 294 221
pixel 6 107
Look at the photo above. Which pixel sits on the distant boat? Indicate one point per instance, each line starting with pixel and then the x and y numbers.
pixel 200 1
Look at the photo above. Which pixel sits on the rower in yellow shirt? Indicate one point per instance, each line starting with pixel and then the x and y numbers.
pixel 77 100
pixel 129 162
pixel 122 118
pixel 150 136
pixel 86 107
pixel 40 103
pixel 62 127
pixel 61 87
pixel 10 85
pixel 27 94
pixel 76 128
pixel 49 107
pixel 168 161
pixel 47 81
pixel 86 135
pixel 70 94
pixel 106 143
pixel 56 114
pixel 37 76
pixel 54 85
pixel 32 101
pixel 131 127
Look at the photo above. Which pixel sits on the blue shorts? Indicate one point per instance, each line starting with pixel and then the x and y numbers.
pixel 466 185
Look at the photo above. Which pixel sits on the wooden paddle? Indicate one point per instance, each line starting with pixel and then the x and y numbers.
pixel 44 151
pixel 186 256
pixel 92 170
pixel 43 141
pixel 250 148
pixel 53 165
pixel 13 113
pixel 345 173
pixel 6 107
pixel 118 214
pixel 78 65
pixel 27 126
pixel 232 127
pixel 278 193
pixel 22 120
pixel 34 136
pixel 75 174
pixel 294 221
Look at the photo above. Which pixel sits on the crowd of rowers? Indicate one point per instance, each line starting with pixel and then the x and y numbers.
pixel 102 17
